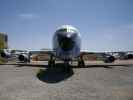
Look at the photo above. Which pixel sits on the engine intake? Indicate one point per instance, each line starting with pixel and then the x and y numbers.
pixel 5 55
pixel 129 56
pixel 23 57
pixel 109 59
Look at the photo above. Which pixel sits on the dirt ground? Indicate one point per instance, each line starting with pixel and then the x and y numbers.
pixel 91 83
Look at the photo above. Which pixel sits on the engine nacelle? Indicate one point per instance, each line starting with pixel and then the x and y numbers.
pixel 4 54
pixel 23 57
pixel 109 59
pixel 129 56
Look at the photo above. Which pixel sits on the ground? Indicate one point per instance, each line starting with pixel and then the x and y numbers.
pixel 92 83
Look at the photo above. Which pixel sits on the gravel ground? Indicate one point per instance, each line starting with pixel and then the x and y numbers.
pixel 94 83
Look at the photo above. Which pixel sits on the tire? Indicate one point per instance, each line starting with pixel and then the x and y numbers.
pixel 81 63
pixel 51 63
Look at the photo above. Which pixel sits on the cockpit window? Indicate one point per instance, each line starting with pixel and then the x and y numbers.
pixel 62 30
pixel 66 30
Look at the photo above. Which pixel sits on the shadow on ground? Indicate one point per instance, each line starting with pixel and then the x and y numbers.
pixel 54 75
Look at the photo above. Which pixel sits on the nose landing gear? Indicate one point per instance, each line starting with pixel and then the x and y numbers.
pixel 81 62
pixel 51 62
pixel 66 66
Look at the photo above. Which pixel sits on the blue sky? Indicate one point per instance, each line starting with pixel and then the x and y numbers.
pixel 105 25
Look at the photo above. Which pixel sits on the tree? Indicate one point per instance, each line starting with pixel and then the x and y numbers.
pixel 2 44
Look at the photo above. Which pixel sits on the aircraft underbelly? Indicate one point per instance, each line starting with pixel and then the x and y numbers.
pixel 67 55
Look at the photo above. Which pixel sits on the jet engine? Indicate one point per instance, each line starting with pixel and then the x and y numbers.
pixel 129 56
pixel 23 57
pixel 109 59
pixel 5 54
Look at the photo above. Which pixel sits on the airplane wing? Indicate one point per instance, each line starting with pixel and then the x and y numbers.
pixel 41 55
pixel 25 55
pixel 103 56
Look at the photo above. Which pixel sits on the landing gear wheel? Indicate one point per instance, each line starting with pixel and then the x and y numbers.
pixel 81 62
pixel 51 63
pixel 66 67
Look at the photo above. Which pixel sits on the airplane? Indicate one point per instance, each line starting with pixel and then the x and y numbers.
pixel 66 47
pixel 122 55
pixel 9 53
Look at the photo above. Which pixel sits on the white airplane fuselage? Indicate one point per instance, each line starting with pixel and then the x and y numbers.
pixel 67 42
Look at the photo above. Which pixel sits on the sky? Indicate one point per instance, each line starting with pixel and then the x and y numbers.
pixel 105 25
